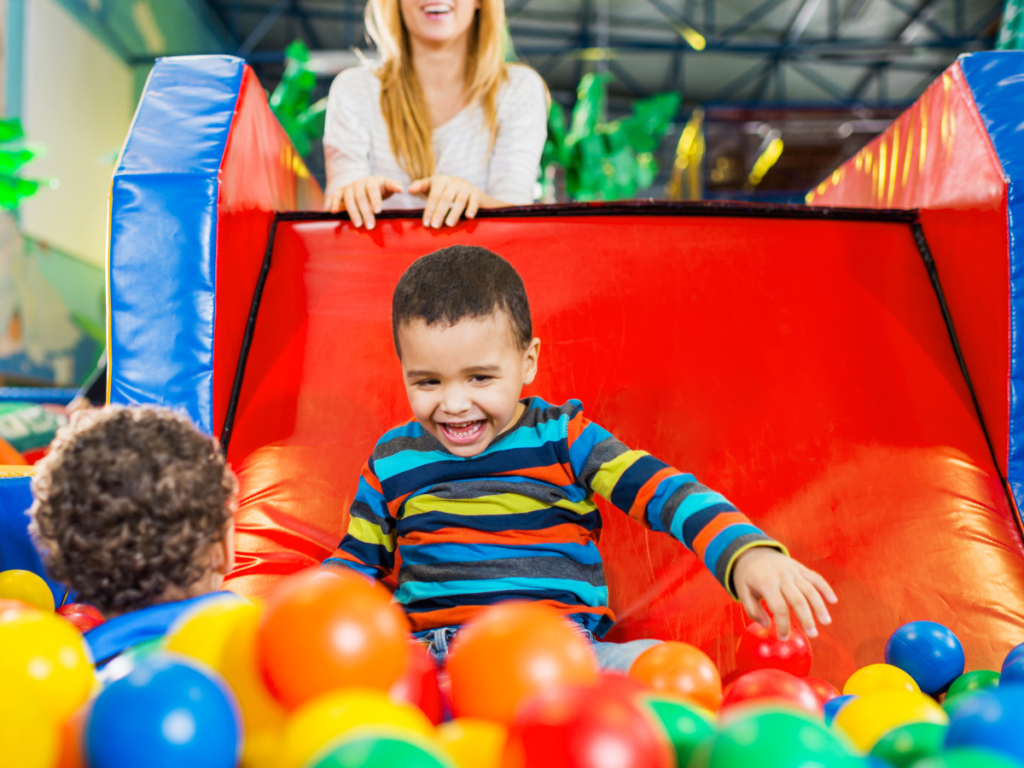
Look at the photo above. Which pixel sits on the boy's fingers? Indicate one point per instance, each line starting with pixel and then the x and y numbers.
pixel 352 208
pixel 752 605
pixel 474 205
pixel 364 206
pixel 458 205
pixel 780 610
pixel 821 585
pixel 814 598
pixel 798 603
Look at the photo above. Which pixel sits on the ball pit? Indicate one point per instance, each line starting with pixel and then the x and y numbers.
pixel 26 587
pixel 928 652
pixel 522 682
pixel 760 648
pixel 84 617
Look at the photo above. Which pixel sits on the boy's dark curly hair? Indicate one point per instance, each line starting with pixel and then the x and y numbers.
pixel 127 503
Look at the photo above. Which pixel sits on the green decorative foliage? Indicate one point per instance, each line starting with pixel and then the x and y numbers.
pixel 1011 29
pixel 602 160
pixel 14 154
pixel 302 121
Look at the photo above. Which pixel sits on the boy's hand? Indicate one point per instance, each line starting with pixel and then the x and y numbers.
pixel 763 573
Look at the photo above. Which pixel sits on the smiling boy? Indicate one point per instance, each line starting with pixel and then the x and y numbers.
pixel 489 497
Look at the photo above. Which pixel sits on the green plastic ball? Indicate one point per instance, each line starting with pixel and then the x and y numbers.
pixel 967 758
pixel 907 744
pixel 953 703
pixel 977 680
pixel 687 726
pixel 774 738
pixel 379 752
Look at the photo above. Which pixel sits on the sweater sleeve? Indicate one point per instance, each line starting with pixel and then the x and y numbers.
pixel 347 138
pixel 522 129
pixel 369 544
pixel 663 498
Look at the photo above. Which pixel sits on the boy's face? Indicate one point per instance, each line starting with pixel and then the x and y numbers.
pixel 464 381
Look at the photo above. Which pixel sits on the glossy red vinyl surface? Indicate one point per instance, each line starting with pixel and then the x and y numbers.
pixel 937 156
pixel 259 175
pixel 801 367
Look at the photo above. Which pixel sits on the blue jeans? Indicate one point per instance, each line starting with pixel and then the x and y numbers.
pixel 613 657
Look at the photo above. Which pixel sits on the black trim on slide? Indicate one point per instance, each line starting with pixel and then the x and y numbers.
pixel 640 208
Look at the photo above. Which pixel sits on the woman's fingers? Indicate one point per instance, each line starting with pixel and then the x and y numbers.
pixel 798 602
pixel 363 201
pixel 420 186
pixel 390 187
pixel 474 204
pixel 458 205
pixel 334 202
pixel 373 190
pixel 444 204
pixel 351 207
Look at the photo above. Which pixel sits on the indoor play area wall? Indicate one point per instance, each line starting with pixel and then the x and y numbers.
pixel 797 359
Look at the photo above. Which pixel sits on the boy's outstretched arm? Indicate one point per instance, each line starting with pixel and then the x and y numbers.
pixel 762 573
pixel 369 545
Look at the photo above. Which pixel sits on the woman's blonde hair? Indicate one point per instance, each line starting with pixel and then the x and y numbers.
pixel 401 98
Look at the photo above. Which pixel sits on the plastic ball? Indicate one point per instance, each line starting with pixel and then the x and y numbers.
pixel 687 725
pixel 326 632
pixel 866 719
pixel 47 656
pixel 26 587
pixel 760 648
pixel 832 707
pixel 967 758
pixel 28 734
pixel 1017 650
pixel 822 688
pixel 928 652
pixel 579 727
pixel 84 617
pixel 72 740
pixel 774 738
pixel 879 677
pixel 385 751
pixel 472 743
pixel 165 712
pixel 513 651
pixel 907 744
pixel 990 720
pixel 773 686
pixel 202 633
pixel 978 680
pixel 678 669
pixel 418 685
pixel 1013 672
pixel 320 721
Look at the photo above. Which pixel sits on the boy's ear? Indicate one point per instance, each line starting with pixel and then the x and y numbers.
pixel 530 360
pixel 223 555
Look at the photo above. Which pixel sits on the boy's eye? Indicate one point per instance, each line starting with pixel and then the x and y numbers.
pixel 427 383
pixel 481 378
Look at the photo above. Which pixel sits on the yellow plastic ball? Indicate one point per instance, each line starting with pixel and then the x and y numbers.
pixel 45 654
pixel 29 738
pixel 867 718
pixel 473 743
pixel 327 717
pixel 879 677
pixel 27 587
pixel 203 632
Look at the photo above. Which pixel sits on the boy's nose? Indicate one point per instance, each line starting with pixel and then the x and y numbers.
pixel 454 401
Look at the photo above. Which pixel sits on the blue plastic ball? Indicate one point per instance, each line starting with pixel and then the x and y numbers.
pixel 165 713
pixel 992 720
pixel 928 652
pixel 1013 672
pixel 1015 653
pixel 833 705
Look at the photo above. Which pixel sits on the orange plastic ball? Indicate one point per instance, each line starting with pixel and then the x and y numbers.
pixel 680 670
pixel 511 652
pixel 329 631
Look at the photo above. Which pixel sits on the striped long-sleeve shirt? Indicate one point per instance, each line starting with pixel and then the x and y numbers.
pixel 519 519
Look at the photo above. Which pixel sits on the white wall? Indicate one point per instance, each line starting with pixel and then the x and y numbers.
pixel 78 101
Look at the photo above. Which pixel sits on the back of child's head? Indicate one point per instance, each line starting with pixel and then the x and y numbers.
pixel 461 281
pixel 128 503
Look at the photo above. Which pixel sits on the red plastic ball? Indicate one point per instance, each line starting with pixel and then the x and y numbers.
pixel 418 685
pixel 823 688
pixel 585 727
pixel 84 617
pixel 775 686
pixel 761 648
pixel 324 632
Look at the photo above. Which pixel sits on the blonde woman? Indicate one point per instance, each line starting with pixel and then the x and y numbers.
pixel 441 122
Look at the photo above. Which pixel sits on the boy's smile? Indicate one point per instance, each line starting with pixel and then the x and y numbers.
pixel 464 381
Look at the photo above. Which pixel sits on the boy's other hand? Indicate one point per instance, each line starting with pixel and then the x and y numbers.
pixel 763 573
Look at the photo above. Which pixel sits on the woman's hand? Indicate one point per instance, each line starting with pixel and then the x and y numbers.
pixel 763 573
pixel 362 198
pixel 448 197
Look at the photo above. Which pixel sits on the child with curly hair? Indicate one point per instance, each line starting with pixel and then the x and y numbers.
pixel 133 512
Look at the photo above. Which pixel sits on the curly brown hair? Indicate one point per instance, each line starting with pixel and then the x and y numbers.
pixel 127 503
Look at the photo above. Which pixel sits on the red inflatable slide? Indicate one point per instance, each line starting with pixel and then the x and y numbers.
pixel 796 359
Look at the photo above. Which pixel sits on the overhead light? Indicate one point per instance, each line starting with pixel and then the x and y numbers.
pixel 692 37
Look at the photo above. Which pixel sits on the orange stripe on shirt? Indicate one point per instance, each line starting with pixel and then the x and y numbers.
pixel 576 426
pixel 643 496
pixel 556 474
pixel 715 527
